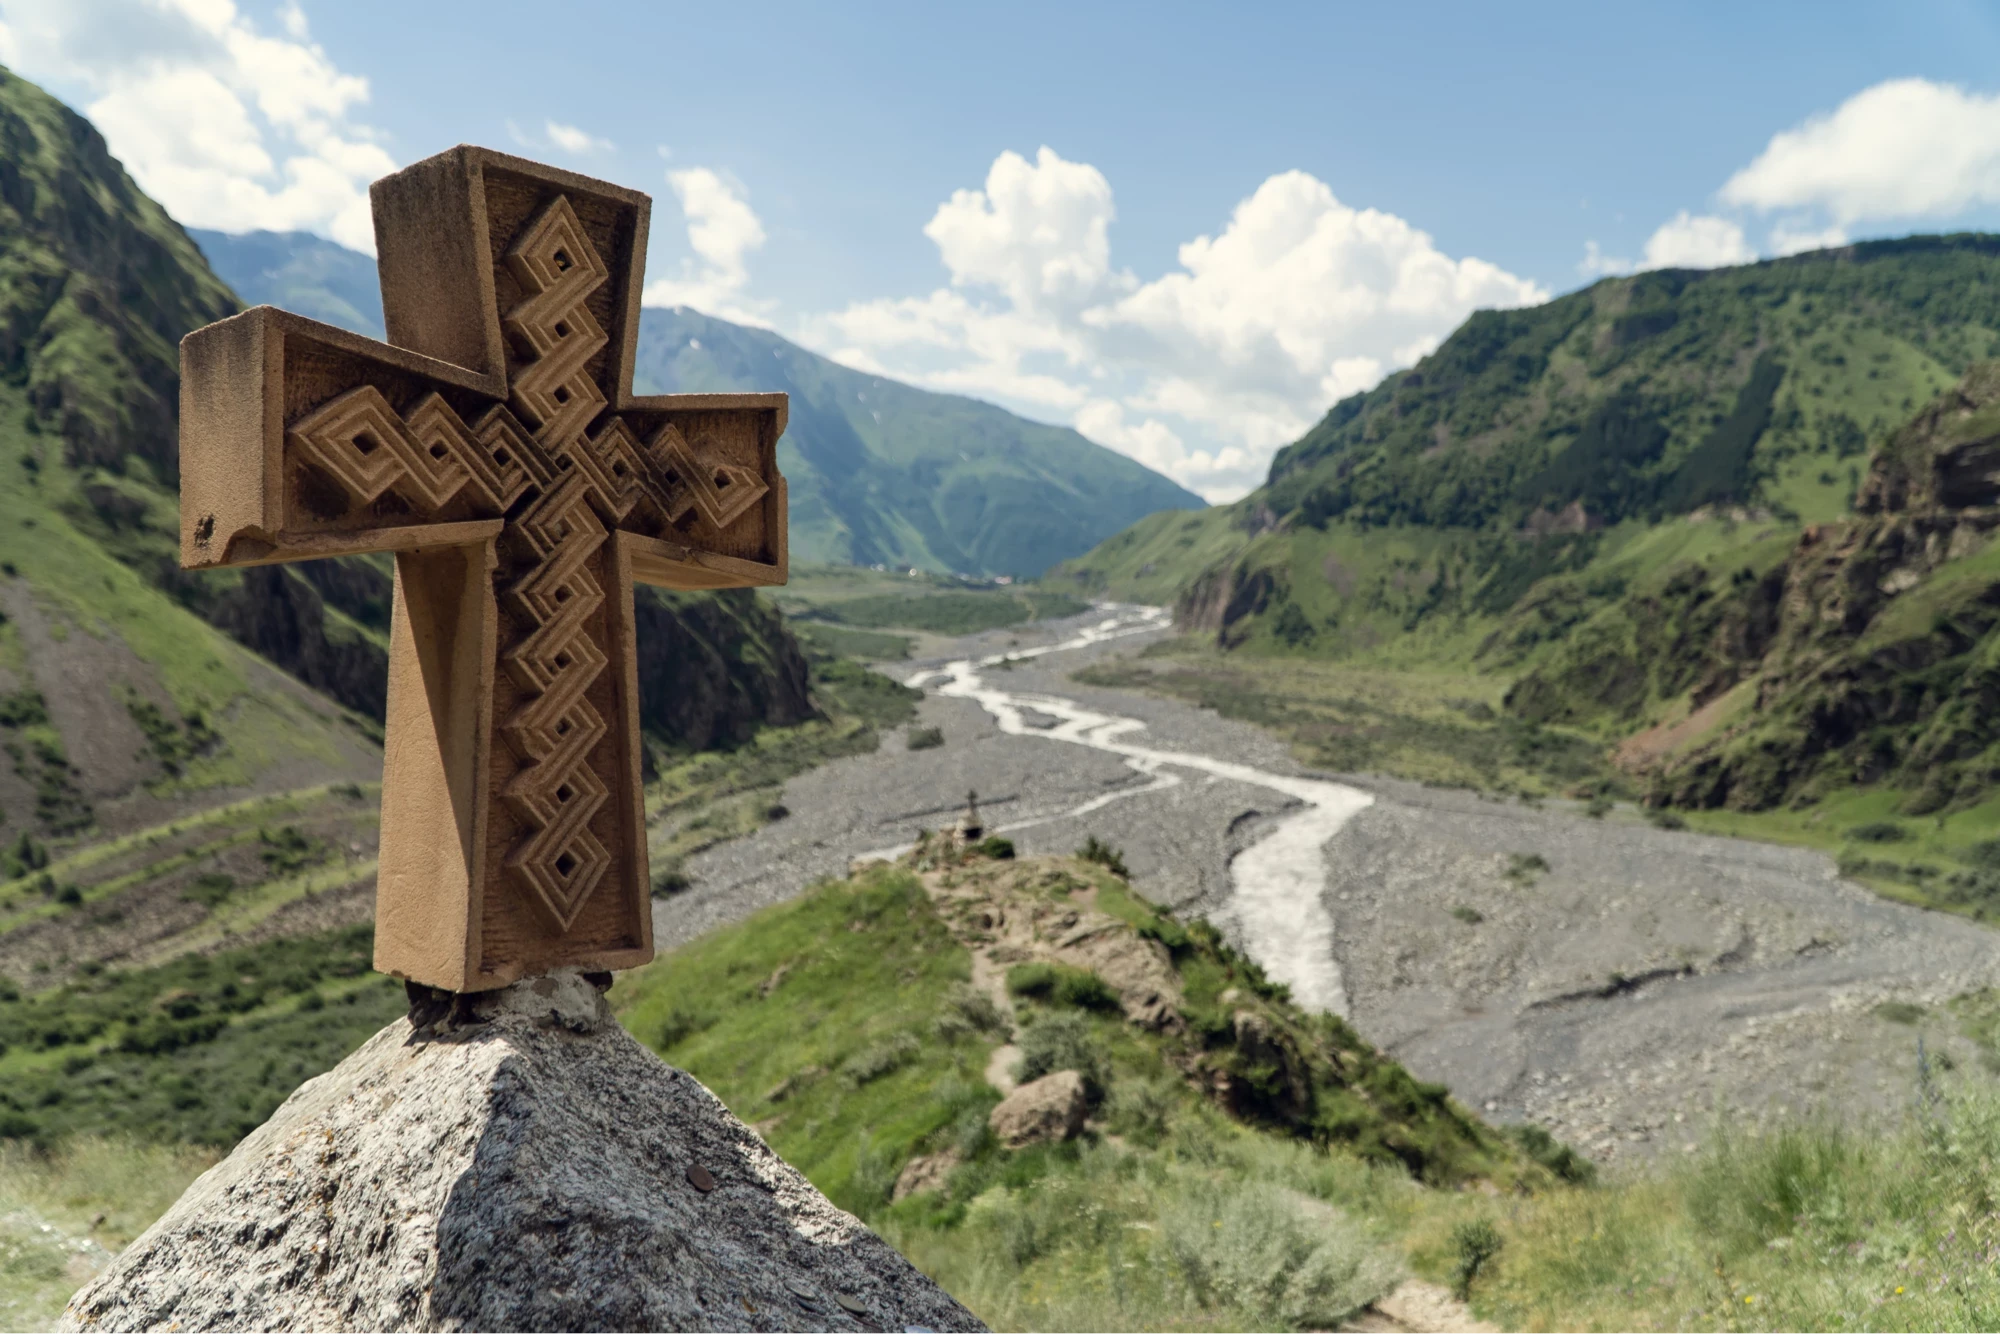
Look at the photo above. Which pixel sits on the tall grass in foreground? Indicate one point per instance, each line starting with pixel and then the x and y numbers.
pixel 1214 1227
pixel 1810 1226
pixel 65 1213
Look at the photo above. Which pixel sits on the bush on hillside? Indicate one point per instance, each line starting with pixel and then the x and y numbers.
pixel 1060 984
pixel 1062 1040
pixel 1110 858
pixel 1280 1261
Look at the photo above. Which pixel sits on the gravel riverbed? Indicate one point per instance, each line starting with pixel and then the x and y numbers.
pixel 1644 983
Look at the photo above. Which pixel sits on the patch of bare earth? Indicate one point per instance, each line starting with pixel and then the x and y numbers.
pixel 1642 750
pixel 1011 913
pixel 1417 1305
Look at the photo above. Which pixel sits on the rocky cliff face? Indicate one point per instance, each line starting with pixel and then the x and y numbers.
pixel 1870 653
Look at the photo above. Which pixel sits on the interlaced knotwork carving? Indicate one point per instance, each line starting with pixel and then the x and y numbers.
pixel 598 478
pixel 586 471
pixel 558 267
pixel 720 491
pixel 495 446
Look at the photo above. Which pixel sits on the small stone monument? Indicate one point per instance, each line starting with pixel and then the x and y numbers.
pixel 970 827
pixel 506 1157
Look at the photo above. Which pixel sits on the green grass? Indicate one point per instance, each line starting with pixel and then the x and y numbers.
pixel 841 1025
pixel 104 871
pixel 65 1211
pixel 846 642
pixel 198 1050
pixel 1443 727
pixel 1810 1226
pixel 845 608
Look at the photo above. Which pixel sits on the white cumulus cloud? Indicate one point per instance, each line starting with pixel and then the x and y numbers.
pixel 1596 264
pixel 1905 148
pixel 1696 241
pixel 226 126
pixel 1202 372
pixel 723 231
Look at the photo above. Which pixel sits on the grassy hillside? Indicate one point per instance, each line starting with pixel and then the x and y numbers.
pixel 1533 439
pixel 1243 1165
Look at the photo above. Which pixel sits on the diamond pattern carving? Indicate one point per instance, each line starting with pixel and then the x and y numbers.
pixel 495 447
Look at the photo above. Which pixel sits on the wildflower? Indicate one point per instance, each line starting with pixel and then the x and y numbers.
pixel 1899 1292
pixel 1748 1300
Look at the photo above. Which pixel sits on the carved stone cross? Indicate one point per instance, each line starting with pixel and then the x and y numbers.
pixel 495 447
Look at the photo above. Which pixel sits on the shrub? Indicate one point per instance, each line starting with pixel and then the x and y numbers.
pixel 209 888
pixel 1553 1154
pixel 1473 1243
pixel 1598 807
pixel 1104 855
pixel 1879 831
pixel 287 851
pixel 1062 985
pixel 1469 916
pixel 1163 928
pixel 670 880
pixel 1270 1259
pixel 1899 1012
pixel 996 847
pixel 1664 818
pixel 777 810
pixel 1062 1040
pixel 1525 866
pixel 969 1010
pixel 878 1059
pixel 924 738
pixel 1141 1111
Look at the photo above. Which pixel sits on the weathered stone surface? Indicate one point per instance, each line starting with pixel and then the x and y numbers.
pixel 514 1161
pixel 1049 1108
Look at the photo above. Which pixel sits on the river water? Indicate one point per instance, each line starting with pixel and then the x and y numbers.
pixel 1277 906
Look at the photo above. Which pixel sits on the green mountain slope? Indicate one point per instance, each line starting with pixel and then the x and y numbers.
pixel 300 272
pixel 880 473
pixel 1864 651
pixel 1727 530
pixel 1540 440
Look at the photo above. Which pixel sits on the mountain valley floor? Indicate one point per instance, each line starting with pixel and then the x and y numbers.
pixel 1623 985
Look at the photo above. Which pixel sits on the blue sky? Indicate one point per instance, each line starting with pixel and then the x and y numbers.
pixel 1184 229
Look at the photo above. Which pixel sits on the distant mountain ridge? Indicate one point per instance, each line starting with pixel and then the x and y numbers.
pixel 300 272
pixel 880 472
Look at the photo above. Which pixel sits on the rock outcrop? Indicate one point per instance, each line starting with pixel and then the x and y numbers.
pixel 1045 1110
pixel 511 1160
